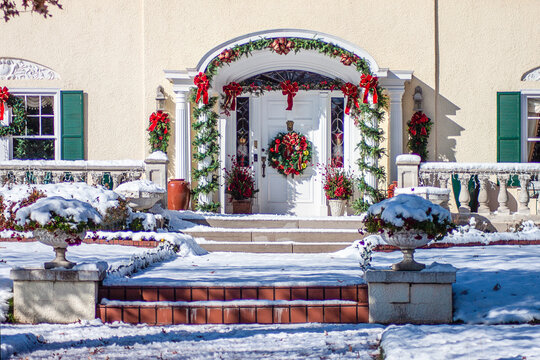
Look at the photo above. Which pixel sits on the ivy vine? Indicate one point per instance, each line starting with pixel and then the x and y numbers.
pixel 364 116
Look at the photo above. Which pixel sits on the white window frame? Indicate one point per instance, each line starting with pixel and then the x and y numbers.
pixel 525 95
pixel 55 93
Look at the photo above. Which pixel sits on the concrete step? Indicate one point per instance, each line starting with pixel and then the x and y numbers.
pixel 275 235
pixel 285 222
pixel 274 247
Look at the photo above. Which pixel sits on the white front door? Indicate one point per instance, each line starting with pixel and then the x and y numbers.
pixel 303 194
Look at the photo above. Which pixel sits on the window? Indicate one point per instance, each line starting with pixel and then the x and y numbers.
pixel 531 119
pixel 337 129
pixel 242 131
pixel 40 139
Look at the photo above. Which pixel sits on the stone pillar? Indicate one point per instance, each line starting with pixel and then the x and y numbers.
pixel 182 136
pixel 523 207
pixel 56 295
pixel 156 171
pixel 396 127
pixel 464 196
pixel 407 170
pixel 415 297
pixel 483 207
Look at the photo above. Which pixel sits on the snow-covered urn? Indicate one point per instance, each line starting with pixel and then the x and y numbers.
pixel 140 194
pixel 408 222
pixel 58 222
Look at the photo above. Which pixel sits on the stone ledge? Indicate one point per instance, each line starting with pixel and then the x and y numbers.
pixel 38 274
pixel 415 277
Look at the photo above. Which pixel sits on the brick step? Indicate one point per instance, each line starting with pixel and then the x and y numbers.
pixel 283 313
pixel 253 235
pixel 356 293
pixel 274 247
pixel 343 222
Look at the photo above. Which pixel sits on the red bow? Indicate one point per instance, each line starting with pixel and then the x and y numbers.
pixel 156 118
pixel 369 83
pixel 351 91
pixel 202 87
pixel 4 96
pixel 289 89
pixel 231 92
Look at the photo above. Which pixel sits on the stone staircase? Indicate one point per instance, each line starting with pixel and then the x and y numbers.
pixel 275 235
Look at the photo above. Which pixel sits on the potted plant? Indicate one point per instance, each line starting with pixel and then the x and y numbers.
pixel 240 183
pixel 338 188
pixel 408 222
pixel 57 222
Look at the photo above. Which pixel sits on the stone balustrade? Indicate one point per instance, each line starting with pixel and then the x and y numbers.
pixel 108 173
pixel 491 182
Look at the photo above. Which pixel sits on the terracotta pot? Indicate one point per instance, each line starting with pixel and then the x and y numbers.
pixel 242 206
pixel 178 194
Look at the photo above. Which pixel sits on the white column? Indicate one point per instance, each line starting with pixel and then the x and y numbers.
pixel 395 93
pixel 182 139
pixel 222 123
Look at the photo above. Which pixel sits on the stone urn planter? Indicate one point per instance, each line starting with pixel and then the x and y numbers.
pixel 242 206
pixel 59 240
pixel 140 194
pixel 337 207
pixel 407 242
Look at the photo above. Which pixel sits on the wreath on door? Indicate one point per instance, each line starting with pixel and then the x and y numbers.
pixel 290 153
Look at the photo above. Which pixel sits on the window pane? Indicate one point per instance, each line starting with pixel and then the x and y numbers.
pixel 47 126
pixel 32 105
pixel 533 106
pixel 242 131
pixel 33 149
pixel 47 105
pixel 32 125
pixel 337 131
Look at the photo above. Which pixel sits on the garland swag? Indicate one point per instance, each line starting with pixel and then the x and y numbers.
pixel 366 116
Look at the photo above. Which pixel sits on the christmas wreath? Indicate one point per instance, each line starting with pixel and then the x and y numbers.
pixel 419 129
pixel 289 153
pixel 158 131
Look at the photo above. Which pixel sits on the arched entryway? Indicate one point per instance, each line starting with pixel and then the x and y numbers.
pixel 312 114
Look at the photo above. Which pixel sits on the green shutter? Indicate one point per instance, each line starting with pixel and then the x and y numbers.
pixel 72 104
pixel 508 127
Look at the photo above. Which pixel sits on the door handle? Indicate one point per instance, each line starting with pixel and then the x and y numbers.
pixel 263 159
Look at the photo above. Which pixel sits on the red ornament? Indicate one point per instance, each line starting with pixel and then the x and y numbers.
pixel 351 91
pixel 369 83
pixel 231 91
pixel 289 89
pixel 4 96
pixel 202 87
pixel 282 46
pixel 227 56
pixel 347 60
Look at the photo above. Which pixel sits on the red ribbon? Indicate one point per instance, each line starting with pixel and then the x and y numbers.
pixel 369 83
pixel 4 96
pixel 231 92
pixel 156 118
pixel 202 87
pixel 289 89
pixel 351 91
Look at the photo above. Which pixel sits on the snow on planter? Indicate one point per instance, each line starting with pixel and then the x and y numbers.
pixel 139 186
pixel 43 210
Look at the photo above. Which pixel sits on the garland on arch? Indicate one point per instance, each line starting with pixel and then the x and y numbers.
pixel 289 153
pixel 365 115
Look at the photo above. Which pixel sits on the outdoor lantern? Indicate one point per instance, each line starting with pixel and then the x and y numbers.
pixel 160 99
pixel 417 97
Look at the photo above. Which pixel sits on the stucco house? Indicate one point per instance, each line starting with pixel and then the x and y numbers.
pixel 90 76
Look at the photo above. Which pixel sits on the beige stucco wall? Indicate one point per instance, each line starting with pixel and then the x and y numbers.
pixel 116 52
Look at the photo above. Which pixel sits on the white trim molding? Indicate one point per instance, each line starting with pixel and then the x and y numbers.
pixel 532 75
pixel 20 69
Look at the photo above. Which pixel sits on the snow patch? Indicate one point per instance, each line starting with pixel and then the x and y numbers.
pixel 41 210
pixel 139 186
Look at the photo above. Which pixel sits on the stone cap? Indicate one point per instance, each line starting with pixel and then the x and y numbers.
pixel 38 274
pixel 414 277
pixel 408 159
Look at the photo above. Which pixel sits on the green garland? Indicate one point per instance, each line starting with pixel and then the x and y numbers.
pixel 18 120
pixel 368 148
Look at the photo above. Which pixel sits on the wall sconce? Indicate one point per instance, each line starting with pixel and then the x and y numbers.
pixel 417 97
pixel 160 99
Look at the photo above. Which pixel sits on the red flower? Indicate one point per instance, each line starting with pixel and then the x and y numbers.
pixel 423 131
pixel 413 131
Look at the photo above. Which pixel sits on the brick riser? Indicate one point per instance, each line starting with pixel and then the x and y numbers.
pixel 270 314
pixel 234 314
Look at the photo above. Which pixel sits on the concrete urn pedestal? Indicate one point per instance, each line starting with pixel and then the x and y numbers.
pixel 56 295
pixel 411 297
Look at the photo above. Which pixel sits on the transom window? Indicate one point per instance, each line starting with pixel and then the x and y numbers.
pixel 276 77
pixel 40 137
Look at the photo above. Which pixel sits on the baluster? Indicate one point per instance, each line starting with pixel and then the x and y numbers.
pixel 445 183
pixel 40 176
pixel 464 196
pixel 116 177
pixel 483 200
pixel 78 176
pixel 523 207
pixel 20 176
pixel 57 177
pixel 4 176
pixel 503 194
